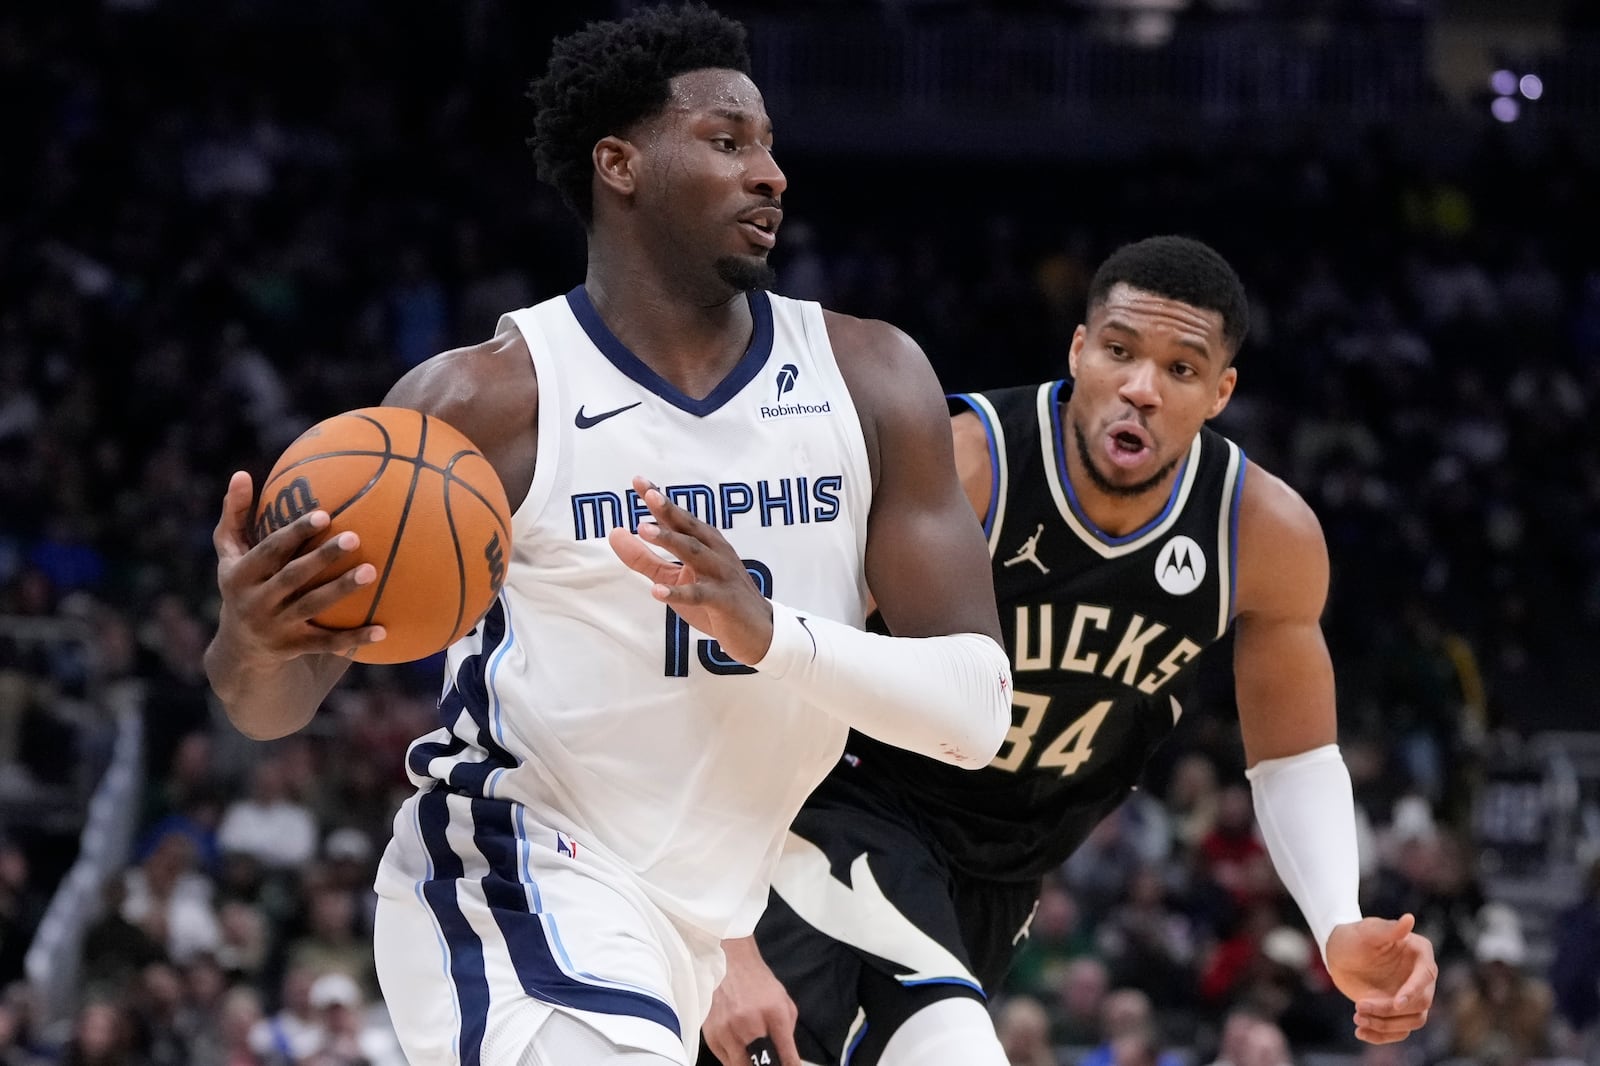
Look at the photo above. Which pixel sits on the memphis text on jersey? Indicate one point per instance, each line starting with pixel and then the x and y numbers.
pixel 779 501
pixel 1099 639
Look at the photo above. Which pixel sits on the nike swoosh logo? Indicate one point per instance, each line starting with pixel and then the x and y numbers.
pixel 583 421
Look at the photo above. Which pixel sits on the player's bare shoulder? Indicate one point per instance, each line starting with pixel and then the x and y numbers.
pixel 489 392
pixel 1283 557
pixel 890 380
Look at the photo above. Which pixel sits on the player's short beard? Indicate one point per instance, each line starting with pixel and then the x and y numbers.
pixel 1111 488
pixel 745 273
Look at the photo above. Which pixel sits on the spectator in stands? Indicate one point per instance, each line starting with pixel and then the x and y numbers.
pixel 333 942
pixel 240 1014
pixel 1234 1042
pixel 1023 1026
pixel 1232 854
pixel 347 1036
pixel 114 948
pixel 1264 1044
pixel 1081 1002
pixel 294 1032
pixel 269 824
pixel 171 901
pixel 155 1011
pixel 1192 798
pixel 1502 1015
pixel 101 1036
pixel 1128 1033
pixel 1149 944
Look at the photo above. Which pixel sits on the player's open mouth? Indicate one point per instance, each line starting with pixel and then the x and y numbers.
pixel 759 234
pixel 1127 444
pixel 761 225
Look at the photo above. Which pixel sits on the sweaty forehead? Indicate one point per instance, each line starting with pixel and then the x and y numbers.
pixel 1142 310
pixel 715 89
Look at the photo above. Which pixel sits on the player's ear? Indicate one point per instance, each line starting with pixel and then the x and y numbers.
pixel 616 164
pixel 1225 384
pixel 1078 336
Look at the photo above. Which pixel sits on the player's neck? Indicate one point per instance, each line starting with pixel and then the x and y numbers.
pixel 691 341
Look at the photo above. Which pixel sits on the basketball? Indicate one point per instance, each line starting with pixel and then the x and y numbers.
pixel 432 517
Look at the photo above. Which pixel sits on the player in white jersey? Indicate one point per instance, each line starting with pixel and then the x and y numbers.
pixel 618 758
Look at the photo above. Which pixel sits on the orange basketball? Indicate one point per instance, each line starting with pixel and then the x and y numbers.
pixel 432 517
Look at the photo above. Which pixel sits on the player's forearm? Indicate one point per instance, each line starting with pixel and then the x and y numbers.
pixel 1306 810
pixel 267 701
pixel 947 697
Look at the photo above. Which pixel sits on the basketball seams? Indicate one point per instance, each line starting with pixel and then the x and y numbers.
pixel 346 453
pixel 448 472
pixel 400 526
pixel 386 455
pixel 455 542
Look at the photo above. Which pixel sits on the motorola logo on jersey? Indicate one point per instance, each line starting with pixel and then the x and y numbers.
pixel 1180 566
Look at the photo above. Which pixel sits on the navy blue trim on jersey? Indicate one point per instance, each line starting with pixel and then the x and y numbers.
pixel 994 459
pixel 506 892
pixel 465 949
pixel 1233 534
pixel 1059 445
pixel 469 692
pixel 423 752
pixel 749 365
pixel 523 926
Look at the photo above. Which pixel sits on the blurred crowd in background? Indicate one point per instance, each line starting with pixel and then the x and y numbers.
pixel 219 226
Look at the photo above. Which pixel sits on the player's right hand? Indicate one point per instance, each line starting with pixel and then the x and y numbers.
pixel 749 1003
pixel 272 590
pixel 705 581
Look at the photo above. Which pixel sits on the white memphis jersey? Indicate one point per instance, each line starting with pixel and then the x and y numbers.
pixel 582 704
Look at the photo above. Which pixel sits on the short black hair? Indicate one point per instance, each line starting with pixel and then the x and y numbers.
pixel 606 77
pixel 1182 269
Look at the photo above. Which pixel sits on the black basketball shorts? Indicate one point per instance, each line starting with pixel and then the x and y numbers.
pixel 867 922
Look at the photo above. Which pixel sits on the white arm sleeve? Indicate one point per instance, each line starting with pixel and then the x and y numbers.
pixel 1306 811
pixel 946 697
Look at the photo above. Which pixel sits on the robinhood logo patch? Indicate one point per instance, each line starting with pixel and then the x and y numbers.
pixel 787 377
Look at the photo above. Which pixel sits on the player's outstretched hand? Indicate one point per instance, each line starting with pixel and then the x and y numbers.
pixel 750 1003
pixel 708 586
pixel 271 591
pixel 1388 971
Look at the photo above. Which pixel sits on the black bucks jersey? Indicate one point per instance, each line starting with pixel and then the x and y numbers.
pixel 1101 631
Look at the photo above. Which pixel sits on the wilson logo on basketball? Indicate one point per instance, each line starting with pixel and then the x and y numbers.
pixel 496 557
pixel 293 500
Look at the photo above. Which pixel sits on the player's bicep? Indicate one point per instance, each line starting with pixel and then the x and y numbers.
pixel 1283 674
pixel 927 563
pixel 1284 686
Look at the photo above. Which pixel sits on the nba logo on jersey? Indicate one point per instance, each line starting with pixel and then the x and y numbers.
pixel 565 846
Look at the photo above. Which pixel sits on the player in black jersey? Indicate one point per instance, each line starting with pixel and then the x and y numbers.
pixel 1125 537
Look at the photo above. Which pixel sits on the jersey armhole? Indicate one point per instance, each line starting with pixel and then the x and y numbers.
pixel 999 471
pixel 1228 534
pixel 547 455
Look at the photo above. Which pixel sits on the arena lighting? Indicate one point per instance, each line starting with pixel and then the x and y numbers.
pixel 1531 86
pixel 1505 108
pixel 1503 82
